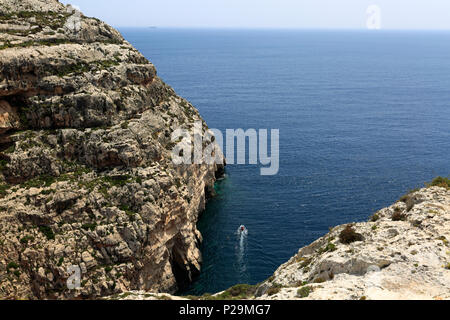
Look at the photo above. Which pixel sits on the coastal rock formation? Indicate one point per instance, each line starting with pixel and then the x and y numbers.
pixel 403 252
pixel 86 177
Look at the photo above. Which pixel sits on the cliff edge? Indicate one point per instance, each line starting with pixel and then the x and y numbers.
pixel 402 253
pixel 86 177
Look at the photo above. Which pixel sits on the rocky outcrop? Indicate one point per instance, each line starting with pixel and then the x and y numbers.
pixel 403 252
pixel 85 157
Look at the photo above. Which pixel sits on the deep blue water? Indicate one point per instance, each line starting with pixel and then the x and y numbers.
pixel 363 118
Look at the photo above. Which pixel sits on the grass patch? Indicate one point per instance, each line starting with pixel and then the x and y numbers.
pixel 237 292
pixel 118 181
pixel 26 239
pixel 405 197
pixel 89 226
pixel 3 189
pixel 3 164
pixel 31 43
pixel 276 288
pixel 398 215
pixel 130 213
pixel 12 265
pixel 39 182
pixel 82 67
pixel 304 262
pixel 330 247
pixel 440 182
pixel 10 149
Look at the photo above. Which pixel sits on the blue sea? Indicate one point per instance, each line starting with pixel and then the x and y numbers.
pixel 363 117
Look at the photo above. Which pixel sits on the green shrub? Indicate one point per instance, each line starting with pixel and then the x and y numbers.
pixel 77 68
pixel 39 182
pixel 3 190
pixel 304 292
pixel 48 232
pixel 304 262
pixel 440 182
pixel 47 192
pixel 89 226
pixel 12 265
pixel 131 214
pixel 10 149
pixel 330 247
pixel 108 268
pixel 3 164
pixel 375 218
pixel 118 181
pixel 25 239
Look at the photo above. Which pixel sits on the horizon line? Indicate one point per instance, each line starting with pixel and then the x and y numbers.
pixel 276 28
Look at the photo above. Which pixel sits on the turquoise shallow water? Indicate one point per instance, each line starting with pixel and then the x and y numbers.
pixel 363 117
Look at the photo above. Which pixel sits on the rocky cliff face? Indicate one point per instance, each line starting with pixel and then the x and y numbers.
pixel 85 158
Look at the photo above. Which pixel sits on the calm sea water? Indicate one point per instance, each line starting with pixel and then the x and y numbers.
pixel 363 117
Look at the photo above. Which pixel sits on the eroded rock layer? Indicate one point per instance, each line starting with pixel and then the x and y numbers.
pixel 85 157
pixel 402 253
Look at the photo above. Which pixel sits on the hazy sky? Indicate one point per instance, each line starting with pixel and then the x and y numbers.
pixel 330 14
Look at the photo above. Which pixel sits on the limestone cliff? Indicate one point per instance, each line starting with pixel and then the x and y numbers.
pixel 403 252
pixel 85 157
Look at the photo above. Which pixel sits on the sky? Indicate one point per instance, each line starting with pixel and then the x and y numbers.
pixel 296 14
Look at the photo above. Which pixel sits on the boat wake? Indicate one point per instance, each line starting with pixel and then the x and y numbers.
pixel 242 234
